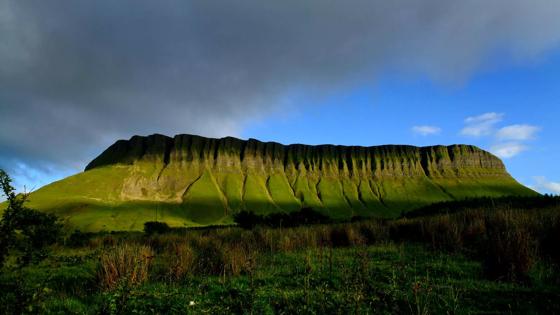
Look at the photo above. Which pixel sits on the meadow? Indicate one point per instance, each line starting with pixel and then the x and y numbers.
pixel 476 260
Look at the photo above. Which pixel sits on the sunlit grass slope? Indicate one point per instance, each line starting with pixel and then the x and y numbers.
pixel 91 201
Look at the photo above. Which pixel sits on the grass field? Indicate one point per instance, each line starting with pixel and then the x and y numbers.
pixel 389 278
pixel 475 261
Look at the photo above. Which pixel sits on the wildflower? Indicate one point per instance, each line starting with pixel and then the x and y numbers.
pixel 192 303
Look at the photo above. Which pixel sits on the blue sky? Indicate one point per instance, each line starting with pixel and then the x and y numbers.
pixel 77 76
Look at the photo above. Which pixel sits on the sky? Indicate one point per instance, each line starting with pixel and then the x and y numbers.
pixel 77 76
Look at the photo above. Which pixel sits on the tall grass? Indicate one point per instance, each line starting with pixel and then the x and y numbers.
pixel 508 242
pixel 182 262
pixel 126 263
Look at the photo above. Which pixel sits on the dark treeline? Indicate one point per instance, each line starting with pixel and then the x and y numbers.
pixel 309 216
pixel 509 202
pixel 305 216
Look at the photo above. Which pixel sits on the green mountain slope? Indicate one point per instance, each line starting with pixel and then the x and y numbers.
pixel 191 181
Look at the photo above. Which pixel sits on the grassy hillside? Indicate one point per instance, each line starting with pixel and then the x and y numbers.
pixel 195 181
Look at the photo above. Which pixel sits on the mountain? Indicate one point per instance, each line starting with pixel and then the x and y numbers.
pixel 192 181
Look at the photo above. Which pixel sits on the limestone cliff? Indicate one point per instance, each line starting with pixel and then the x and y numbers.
pixel 330 160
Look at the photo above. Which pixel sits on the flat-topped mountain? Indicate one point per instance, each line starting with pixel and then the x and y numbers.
pixel 192 180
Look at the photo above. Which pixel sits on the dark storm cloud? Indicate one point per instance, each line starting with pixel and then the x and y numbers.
pixel 76 75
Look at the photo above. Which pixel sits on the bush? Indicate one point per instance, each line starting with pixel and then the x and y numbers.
pixel 27 231
pixel 153 227
pixel 79 238
pixel 247 220
pixel 339 237
pixel 306 216
pixel 374 232
pixel 406 230
pixel 16 296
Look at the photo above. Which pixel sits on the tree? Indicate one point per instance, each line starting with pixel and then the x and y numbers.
pixel 22 229
pixel 155 227
pixel 247 220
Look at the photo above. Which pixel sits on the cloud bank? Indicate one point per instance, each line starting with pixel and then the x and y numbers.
pixel 77 75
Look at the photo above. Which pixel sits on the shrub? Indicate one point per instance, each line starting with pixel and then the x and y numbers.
pixel 406 230
pixel 308 216
pixel 247 219
pixel 16 296
pixel 26 230
pixel 128 264
pixel 339 237
pixel 305 216
pixel 153 227
pixel 373 232
pixel 79 238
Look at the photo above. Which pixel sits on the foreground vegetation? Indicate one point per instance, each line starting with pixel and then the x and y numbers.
pixel 475 261
pixel 471 257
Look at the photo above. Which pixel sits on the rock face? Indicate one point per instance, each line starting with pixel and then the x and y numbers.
pixel 352 176
pixel 195 180
pixel 326 160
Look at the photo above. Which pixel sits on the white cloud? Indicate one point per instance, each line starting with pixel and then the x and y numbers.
pixel 486 117
pixel 508 149
pixel 517 132
pixel 481 125
pixel 426 130
pixel 542 184
pixel 509 141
